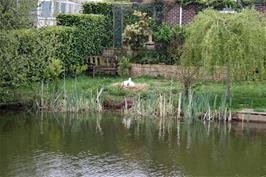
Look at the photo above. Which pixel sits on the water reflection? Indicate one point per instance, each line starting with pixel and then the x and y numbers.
pixel 49 144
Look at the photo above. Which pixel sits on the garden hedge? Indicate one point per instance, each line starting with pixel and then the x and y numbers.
pixel 103 8
pixel 92 34
pixel 24 54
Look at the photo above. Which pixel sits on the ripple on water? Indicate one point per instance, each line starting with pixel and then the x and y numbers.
pixel 52 164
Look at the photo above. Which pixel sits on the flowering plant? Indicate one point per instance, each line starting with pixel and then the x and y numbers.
pixel 137 34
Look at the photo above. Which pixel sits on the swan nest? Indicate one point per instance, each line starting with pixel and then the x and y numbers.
pixel 135 87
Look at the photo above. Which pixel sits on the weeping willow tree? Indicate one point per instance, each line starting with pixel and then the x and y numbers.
pixel 234 42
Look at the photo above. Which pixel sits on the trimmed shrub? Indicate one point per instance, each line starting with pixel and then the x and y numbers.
pixel 103 8
pixel 90 36
pixel 26 54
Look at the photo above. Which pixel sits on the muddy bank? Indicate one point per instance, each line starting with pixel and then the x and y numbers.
pixel 117 106
pixel 6 107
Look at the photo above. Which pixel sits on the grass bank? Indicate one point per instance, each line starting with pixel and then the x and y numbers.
pixel 85 92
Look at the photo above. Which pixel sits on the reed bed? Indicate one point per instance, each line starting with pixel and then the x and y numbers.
pixel 155 104
pixel 59 99
pixel 206 107
pixel 166 104
pixel 190 108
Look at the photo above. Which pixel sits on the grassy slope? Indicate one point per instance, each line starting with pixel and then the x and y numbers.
pixel 245 94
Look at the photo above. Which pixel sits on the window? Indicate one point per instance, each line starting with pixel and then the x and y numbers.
pixel 71 9
pixel 57 8
pixel 77 9
pixel 63 8
pixel 46 9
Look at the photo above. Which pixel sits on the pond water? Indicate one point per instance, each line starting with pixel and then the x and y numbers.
pixel 110 145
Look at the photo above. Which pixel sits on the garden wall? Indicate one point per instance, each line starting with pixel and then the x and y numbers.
pixel 172 15
pixel 170 71
pixel 261 8
pixel 188 12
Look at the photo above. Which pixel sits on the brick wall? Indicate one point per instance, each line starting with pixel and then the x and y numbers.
pixel 261 8
pixel 172 15
pixel 188 12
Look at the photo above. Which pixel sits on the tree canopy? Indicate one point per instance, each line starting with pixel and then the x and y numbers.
pixel 236 40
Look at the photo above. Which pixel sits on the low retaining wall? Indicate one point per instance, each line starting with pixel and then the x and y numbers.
pixel 250 115
pixel 171 71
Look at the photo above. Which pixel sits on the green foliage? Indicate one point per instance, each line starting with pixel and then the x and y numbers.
pixel 147 58
pixel 165 33
pixel 153 57
pixel 234 41
pixel 252 2
pixel 25 54
pixel 217 4
pixel 103 8
pixel 78 69
pixel 16 14
pixel 124 66
pixel 118 10
pixel 220 4
pixel 137 34
pixel 53 70
pixel 93 33
pixel 171 40
pixel 130 17
pixel 106 8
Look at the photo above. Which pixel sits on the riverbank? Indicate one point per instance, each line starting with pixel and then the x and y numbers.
pixel 89 94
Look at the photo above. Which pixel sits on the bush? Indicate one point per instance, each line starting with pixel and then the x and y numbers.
pixel 25 54
pixel 137 34
pixel 124 66
pixel 93 30
pixel 103 8
pixel 153 58
pixel 53 70
pixel 107 9
pixel 90 37
pixel 170 40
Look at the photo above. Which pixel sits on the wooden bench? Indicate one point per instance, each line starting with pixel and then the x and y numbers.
pixel 102 64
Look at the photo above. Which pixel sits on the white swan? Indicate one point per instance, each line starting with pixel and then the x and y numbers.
pixel 128 83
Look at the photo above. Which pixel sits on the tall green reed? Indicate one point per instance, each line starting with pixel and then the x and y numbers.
pixel 60 99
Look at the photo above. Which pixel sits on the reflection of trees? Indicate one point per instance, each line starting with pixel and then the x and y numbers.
pixel 165 144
